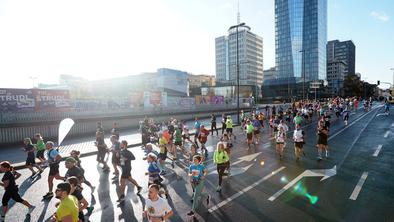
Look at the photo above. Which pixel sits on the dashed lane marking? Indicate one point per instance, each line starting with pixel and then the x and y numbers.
pixel 377 150
pixel 246 189
pixel 358 187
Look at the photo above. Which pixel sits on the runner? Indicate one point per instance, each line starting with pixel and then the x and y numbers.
pixel 115 150
pixel 73 170
pixel 387 106
pixel 213 124
pixel 31 159
pixel 192 153
pixel 261 118
pixel 227 147
pixel 298 137
pixel 197 174
pixel 275 124
pixel 346 115
pixel 249 133
pixel 125 162
pixel 322 141
pixel 229 127
pixel 68 208
pixel 40 145
pixel 11 189
pixel 257 126
pixel 75 154
pixel 156 208
pixel 197 126
pixel 163 153
pixel 178 139
pixel 203 138
pixel 280 138
pixel 102 150
pixel 186 136
pixel 169 146
pixel 297 119
pixel 221 158
pixel 154 174
pixel 54 159
pixel 115 130
pixel 76 191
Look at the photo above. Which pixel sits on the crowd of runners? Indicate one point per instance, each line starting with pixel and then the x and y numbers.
pixel 167 143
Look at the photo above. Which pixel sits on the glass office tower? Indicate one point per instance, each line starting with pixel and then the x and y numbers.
pixel 300 39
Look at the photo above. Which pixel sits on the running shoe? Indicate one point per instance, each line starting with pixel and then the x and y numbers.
pixel 121 198
pixel 48 195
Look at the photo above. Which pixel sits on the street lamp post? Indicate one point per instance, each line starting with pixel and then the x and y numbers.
pixel 303 74
pixel 236 29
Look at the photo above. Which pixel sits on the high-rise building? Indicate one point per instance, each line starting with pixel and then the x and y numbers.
pixel 300 39
pixel 342 51
pixel 269 75
pixel 250 57
pixel 335 77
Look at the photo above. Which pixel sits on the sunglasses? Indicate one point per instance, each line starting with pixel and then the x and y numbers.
pixel 59 190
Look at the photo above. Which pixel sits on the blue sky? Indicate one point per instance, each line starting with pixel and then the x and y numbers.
pixel 103 39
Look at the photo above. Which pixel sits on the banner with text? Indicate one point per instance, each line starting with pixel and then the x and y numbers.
pixel 17 100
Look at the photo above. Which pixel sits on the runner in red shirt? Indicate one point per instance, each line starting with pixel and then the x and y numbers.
pixel 203 138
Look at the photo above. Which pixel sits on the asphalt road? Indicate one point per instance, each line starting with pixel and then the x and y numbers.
pixel 357 187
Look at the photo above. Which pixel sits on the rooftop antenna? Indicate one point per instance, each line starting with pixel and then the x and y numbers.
pixel 238 15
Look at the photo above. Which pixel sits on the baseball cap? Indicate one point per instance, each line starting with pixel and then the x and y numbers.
pixel 71 160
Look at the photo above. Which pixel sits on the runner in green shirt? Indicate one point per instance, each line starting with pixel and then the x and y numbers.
pixel 40 145
pixel 249 132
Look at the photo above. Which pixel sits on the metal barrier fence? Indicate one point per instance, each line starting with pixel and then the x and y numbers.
pixel 27 124
pixel 33 117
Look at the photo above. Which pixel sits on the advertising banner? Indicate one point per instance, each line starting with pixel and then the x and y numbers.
pixel 200 100
pixel 52 100
pixel 155 98
pixel 136 99
pixel 16 100
pixel 216 100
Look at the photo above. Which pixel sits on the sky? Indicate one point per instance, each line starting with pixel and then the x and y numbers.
pixel 41 39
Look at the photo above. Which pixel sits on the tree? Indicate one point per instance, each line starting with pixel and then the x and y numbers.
pixel 353 86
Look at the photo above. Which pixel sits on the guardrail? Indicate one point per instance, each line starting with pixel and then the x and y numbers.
pixel 13 133
pixel 34 117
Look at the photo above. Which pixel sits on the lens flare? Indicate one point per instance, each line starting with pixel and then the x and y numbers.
pixel 301 190
pixel 284 179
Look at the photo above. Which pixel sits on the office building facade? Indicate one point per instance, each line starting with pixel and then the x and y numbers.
pixel 342 51
pixel 336 72
pixel 300 39
pixel 250 57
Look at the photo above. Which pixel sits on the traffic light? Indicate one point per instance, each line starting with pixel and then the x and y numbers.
pixel 378 82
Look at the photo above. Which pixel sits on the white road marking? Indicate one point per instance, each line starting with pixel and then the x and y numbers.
pixel 325 173
pixel 246 189
pixel 377 151
pixel 358 187
pixel 386 134
pixel 351 124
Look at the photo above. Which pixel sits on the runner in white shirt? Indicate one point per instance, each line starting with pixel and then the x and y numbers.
pixel 156 209
pixel 299 141
pixel 280 138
